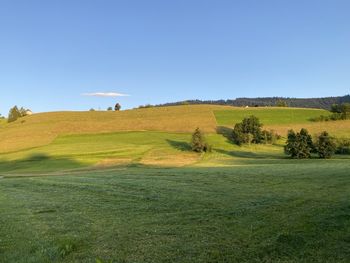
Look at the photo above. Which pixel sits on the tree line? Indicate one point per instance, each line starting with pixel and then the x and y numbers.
pixel 337 112
pixel 299 145
pixel 321 103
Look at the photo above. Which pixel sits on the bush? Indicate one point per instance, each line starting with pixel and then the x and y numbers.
pixel 343 146
pixel 198 143
pixel 109 109
pixel 339 112
pixel 299 145
pixel 325 145
pixel 269 137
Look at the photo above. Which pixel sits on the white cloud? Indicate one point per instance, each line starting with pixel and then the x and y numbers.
pixel 105 94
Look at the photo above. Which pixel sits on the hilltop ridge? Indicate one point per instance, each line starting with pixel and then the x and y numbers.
pixel 320 103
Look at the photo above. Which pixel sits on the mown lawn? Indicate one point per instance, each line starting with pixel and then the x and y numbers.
pixel 264 211
pixel 125 148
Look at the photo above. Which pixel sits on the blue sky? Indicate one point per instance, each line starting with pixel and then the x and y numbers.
pixel 51 52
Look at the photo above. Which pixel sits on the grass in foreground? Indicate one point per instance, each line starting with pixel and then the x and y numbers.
pixel 289 211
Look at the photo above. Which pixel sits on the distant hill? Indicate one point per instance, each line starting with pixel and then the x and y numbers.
pixel 321 103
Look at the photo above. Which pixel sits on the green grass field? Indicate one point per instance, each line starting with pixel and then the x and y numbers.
pixel 126 187
pixel 268 116
pixel 290 211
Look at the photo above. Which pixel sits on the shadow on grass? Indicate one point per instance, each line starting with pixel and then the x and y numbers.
pixel 226 132
pixel 251 155
pixel 38 163
pixel 179 145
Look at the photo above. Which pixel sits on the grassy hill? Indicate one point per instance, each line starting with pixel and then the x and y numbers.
pixel 125 187
pixel 155 136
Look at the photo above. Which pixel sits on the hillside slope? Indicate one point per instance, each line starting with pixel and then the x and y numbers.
pixel 155 136
pixel 40 129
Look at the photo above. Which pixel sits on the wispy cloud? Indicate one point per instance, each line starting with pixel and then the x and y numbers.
pixel 105 94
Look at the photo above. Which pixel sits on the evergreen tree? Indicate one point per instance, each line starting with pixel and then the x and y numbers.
pixel 198 143
pixel 238 136
pixel 291 147
pixel 304 144
pixel 14 114
pixel 325 145
pixel 299 145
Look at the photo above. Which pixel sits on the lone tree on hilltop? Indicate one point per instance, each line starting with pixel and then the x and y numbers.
pixel 14 114
pixel 325 145
pixel 117 107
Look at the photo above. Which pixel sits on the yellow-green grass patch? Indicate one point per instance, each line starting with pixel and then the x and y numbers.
pixel 41 129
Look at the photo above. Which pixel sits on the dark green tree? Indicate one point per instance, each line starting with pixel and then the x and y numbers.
pixel 299 145
pixel 109 108
pixel 305 144
pixel 198 143
pixel 250 131
pixel 14 114
pixel 291 146
pixel 117 107
pixel 238 136
pixel 325 145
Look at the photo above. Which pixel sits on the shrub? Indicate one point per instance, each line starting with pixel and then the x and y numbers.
pixel 325 145
pixel 339 112
pixel 198 143
pixel 269 137
pixel 146 106
pixel 299 145
pixel 343 146
pixel 109 109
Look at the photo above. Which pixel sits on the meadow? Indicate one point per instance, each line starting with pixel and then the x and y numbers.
pixel 126 187
pixel 285 211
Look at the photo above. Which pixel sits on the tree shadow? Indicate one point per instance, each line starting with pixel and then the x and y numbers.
pixel 38 162
pixel 225 131
pixel 179 145
pixel 248 154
